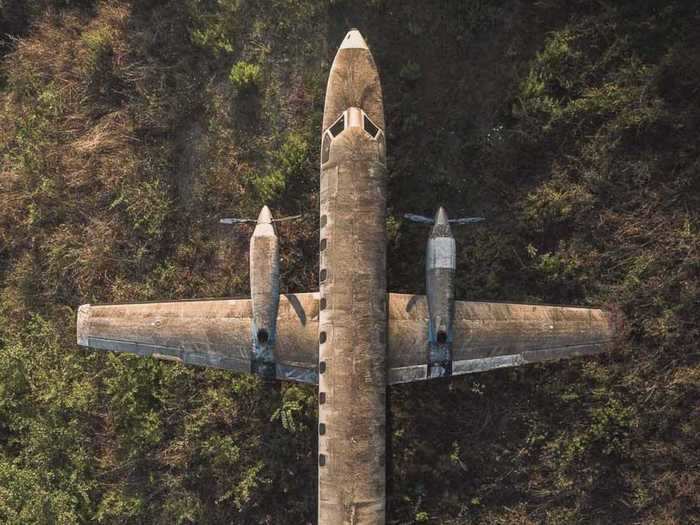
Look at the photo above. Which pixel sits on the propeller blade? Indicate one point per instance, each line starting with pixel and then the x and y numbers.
pixel 290 218
pixel 467 220
pixel 235 221
pixel 418 218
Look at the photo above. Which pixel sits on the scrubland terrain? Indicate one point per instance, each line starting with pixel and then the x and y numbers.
pixel 127 129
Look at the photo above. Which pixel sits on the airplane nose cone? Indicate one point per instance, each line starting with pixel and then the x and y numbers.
pixel 353 40
pixel 264 227
pixel 265 216
pixel 441 217
pixel 353 82
pixel 441 227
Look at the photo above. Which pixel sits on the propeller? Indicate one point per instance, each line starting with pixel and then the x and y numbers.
pixel 427 220
pixel 233 220
pixel 418 218
pixel 290 218
pixel 467 220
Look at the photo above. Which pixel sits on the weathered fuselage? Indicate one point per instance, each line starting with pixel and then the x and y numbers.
pixel 352 319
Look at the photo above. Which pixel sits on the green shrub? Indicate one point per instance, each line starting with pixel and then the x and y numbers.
pixel 270 186
pixel 214 24
pixel 245 76
pixel 212 38
pixel 117 505
pixel 293 156
pixel 289 162
pixel 297 402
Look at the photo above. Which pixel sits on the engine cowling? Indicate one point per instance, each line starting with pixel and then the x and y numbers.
pixel 264 293
pixel 440 265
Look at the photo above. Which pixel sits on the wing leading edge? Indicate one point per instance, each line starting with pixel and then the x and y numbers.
pixel 217 333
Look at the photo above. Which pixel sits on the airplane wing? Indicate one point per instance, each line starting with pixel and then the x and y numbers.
pixel 492 335
pixel 212 333
pixel 217 333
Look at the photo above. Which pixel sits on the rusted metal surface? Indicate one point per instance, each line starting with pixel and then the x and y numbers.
pixel 352 330
pixel 492 335
pixel 213 333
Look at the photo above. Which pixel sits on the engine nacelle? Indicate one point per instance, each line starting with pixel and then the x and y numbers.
pixel 440 265
pixel 264 293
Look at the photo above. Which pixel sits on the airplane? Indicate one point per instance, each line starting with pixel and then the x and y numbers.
pixel 351 337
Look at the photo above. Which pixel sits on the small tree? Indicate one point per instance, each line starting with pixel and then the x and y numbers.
pixel 245 76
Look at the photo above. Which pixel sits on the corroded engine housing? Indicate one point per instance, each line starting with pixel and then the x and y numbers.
pixel 264 293
pixel 440 265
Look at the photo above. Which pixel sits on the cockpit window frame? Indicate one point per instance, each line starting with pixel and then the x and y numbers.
pixel 326 146
pixel 341 124
pixel 333 128
pixel 365 121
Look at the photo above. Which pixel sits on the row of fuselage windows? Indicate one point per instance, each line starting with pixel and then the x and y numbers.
pixel 322 338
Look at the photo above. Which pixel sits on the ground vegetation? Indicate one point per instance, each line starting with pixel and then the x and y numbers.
pixel 128 128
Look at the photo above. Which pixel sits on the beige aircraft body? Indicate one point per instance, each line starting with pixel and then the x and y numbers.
pixel 351 338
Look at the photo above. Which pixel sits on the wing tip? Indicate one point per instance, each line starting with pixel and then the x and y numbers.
pixel 617 327
pixel 82 324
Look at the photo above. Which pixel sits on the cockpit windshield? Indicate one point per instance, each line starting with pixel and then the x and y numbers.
pixel 338 127
pixel 369 127
pixel 349 118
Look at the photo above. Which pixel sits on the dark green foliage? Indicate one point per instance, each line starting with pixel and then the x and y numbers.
pixel 245 76
pixel 128 129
